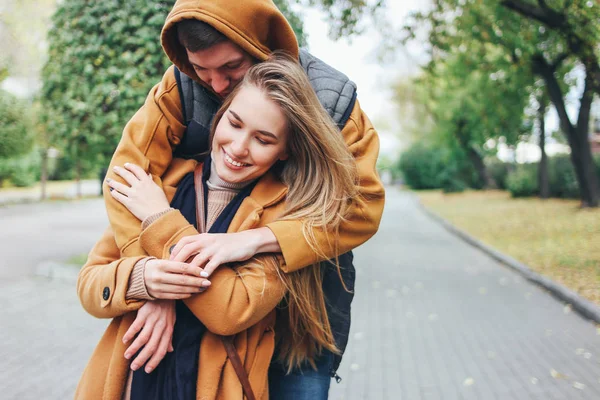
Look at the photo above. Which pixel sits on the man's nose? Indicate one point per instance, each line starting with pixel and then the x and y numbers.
pixel 219 82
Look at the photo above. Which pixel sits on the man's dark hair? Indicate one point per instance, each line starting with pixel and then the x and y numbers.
pixel 196 35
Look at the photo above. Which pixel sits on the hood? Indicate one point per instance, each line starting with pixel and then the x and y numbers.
pixel 257 26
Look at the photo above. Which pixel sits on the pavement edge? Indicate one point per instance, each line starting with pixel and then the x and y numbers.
pixel 584 307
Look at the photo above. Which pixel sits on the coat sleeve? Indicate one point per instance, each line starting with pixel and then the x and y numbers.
pixel 364 215
pixel 148 140
pixel 238 297
pixel 104 279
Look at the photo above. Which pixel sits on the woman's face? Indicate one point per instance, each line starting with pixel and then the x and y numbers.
pixel 250 137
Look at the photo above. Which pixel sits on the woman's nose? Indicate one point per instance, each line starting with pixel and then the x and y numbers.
pixel 239 147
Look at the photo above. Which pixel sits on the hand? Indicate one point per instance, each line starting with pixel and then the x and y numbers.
pixel 172 280
pixel 155 320
pixel 142 197
pixel 214 249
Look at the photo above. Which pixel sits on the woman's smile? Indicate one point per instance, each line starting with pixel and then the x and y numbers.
pixel 233 163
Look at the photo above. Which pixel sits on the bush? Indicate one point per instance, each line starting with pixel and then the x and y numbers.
pixel 16 135
pixel 422 166
pixel 523 181
pixel 563 180
pixel 499 171
pixel 21 171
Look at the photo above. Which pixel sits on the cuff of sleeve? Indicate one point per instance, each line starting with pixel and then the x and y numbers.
pixel 294 248
pixel 137 287
pixel 146 223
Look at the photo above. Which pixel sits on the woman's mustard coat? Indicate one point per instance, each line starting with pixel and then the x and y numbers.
pixel 240 301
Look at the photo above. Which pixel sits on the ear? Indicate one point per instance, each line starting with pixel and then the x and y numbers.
pixel 284 156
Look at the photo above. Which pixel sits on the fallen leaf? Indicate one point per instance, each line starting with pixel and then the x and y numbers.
pixel 534 381
pixel 433 317
pixel 567 309
pixel 482 290
pixel 469 382
pixel 354 367
pixel 578 385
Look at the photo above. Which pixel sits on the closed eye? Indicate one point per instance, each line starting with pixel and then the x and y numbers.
pixel 233 124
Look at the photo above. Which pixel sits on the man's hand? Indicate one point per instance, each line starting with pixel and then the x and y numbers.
pixel 142 197
pixel 173 280
pixel 214 249
pixel 155 320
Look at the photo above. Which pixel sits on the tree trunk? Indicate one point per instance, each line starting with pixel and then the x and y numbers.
pixel 484 178
pixel 44 174
pixel 543 181
pixel 78 178
pixel 577 136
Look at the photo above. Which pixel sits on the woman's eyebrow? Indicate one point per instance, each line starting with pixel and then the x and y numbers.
pixel 266 133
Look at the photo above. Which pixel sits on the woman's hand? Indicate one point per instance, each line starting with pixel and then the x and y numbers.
pixel 142 197
pixel 155 320
pixel 173 280
pixel 214 249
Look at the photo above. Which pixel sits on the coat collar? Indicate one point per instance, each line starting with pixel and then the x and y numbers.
pixel 269 190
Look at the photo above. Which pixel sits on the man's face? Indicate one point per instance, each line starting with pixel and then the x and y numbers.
pixel 221 66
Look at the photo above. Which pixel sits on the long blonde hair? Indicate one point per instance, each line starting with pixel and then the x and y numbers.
pixel 321 178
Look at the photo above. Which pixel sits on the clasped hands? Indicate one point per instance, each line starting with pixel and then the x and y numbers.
pixel 192 260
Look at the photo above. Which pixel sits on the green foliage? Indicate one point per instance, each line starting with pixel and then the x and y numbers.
pixel 16 134
pixel 104 57
pixel 425 166
pixel 294 19
pixel 563 181
pixel 522 182
pixel 345 15
pixel 21 171
pixel 499 171
pixel 422 166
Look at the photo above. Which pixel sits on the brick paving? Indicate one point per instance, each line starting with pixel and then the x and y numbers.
pixel 433 318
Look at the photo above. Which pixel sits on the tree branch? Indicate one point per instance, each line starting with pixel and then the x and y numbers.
pixel 542 14
pixel 585 106
pixel 544 69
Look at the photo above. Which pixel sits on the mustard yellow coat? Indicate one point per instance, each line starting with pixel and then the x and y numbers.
pixel 148 140
pixel 240 301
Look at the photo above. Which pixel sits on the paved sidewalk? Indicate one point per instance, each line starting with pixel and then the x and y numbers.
pixel 433 318
pixel 54 190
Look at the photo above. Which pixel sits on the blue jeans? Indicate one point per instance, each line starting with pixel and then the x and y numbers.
pixel 301 384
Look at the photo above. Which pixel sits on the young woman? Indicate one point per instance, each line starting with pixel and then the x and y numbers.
pixel 271 141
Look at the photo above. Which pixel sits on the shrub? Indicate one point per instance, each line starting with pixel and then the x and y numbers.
pixel 563 181
pixel 499 171
pixel 523 181
pixel 422 166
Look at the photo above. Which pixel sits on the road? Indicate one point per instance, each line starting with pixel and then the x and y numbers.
pixel 433 318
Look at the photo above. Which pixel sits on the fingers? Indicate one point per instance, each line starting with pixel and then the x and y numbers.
pixel 210 266
pixel 188 246
pixel 121 198
pixel 127 175
pixel 183 268
pixel 164 345
pixel 133 330
pixel 138 171
pixel 151 347
pixel 118 186
pixel 140 341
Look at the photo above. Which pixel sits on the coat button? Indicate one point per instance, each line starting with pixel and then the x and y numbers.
pixel 106 293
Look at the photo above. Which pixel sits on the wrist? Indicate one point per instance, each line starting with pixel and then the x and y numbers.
pixel 265 241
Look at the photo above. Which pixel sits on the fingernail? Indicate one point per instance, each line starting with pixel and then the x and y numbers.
pixel 108 180
pixel 206 283
pixel 134 366
pixel 204 274
pixel 111 189
pixel 127 164
pixel 148 370
pixel 115 168
pixel 128 356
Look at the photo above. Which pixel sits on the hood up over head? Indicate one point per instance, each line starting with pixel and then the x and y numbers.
pixel 257 26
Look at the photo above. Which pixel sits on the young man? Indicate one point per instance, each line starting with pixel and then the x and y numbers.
pixel 212 44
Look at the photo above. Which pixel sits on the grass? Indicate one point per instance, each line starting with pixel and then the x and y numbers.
pixel 554 237
pixel 77 260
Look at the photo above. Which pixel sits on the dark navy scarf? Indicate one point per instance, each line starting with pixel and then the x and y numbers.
pixel 176 375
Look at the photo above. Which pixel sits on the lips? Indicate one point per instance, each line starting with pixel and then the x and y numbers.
pixel 233 162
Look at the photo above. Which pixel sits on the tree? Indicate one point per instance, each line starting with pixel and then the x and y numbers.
pixel 528 45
